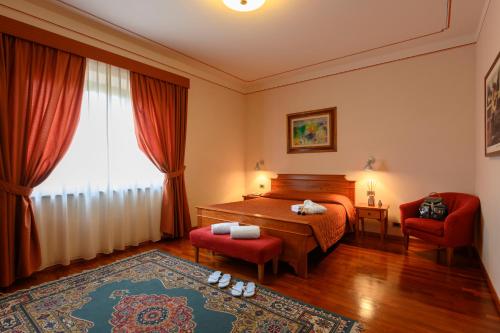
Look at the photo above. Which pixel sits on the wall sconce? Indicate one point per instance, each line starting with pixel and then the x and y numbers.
pixel 259 165
pixel 369 164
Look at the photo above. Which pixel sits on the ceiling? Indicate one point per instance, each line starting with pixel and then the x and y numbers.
pixel 286 36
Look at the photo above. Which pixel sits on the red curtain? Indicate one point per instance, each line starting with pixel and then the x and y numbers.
pixel 160 112
pixel 41 90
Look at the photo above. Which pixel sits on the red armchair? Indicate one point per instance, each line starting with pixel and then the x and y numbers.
pixel 456 230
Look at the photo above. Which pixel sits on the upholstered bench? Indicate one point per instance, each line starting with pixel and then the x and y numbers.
pixel 258 251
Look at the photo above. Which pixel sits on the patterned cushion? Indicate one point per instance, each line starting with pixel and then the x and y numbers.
pixel 429 226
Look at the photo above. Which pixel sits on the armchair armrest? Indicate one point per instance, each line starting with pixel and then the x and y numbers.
pixel 464 214
pixel 458 225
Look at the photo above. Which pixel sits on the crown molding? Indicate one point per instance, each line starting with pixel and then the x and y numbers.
pixel 48 16
pixel 361 63
pixel 483 18
pixel 446 25
pixel 332 61
pixel 76 24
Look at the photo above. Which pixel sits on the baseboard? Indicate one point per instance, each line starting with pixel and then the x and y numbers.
pixel 493 292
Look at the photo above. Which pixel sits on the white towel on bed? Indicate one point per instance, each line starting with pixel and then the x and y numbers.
pixel 309 208
pixel 245 232
pixel 223 228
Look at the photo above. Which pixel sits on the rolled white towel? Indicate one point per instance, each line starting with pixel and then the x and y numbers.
pixel 309 208
pixel 223 228
pixel 296 208
pixel 313 208
pixel 245 232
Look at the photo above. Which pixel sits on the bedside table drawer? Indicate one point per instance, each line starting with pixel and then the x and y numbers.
pixel 369 214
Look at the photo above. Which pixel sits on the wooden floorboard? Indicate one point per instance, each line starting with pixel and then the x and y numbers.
pixel 368 280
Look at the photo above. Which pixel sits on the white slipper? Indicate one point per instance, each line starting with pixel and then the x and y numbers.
pixel 214 277
pixel 237 289
pixel 224 280
pixel 249 289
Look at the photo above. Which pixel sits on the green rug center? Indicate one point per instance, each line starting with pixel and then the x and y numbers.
pixel 130 306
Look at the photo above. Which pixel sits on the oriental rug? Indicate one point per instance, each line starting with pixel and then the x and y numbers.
pixel 157 292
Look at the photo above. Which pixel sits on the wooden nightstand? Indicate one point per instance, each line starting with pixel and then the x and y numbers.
pixel 250 196
pixel 375 213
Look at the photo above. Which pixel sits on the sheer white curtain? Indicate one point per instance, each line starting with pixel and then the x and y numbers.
pixel 105 194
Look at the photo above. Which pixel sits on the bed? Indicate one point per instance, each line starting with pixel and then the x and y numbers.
pixel 300 234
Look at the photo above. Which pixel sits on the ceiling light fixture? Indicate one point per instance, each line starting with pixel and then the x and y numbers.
pixel 244 5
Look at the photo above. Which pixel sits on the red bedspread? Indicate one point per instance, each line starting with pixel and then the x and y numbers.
pixel 327 228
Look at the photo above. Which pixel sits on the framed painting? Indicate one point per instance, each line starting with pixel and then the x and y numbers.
pixel 312 131
pixel 492 109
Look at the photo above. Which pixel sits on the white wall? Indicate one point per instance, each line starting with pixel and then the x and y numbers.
pixel 214 145
pixel 488 168
pixel 415 116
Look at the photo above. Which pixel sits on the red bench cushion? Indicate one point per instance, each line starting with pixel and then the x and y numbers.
pixel 257 251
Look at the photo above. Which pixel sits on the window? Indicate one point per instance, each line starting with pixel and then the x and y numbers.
pixel 104 154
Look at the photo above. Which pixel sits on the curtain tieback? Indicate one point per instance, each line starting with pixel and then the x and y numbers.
pixel 176 173
pixel 15 189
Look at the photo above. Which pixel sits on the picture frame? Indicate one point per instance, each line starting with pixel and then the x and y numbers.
pixel 312 131
pixel 492 110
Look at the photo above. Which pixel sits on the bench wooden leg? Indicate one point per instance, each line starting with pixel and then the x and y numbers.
pixel 197 254
pixel 260 268
pixel 275 265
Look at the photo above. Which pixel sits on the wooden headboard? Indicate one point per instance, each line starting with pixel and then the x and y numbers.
pixel 337 184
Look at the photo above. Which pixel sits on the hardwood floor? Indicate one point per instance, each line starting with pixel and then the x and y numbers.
pixel 367 280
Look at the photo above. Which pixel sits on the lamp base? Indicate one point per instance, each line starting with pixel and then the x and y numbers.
pixel 371 200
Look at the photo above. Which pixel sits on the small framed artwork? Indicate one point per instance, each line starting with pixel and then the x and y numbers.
pixel 492 109
pixel 312 131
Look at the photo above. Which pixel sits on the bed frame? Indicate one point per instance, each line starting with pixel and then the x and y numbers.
pixel 298 239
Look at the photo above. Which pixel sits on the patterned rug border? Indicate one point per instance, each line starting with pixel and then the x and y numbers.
pixel 356 328
pixel 70 276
